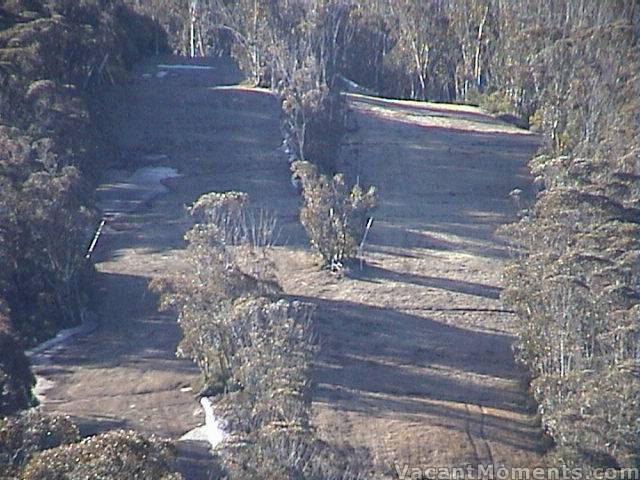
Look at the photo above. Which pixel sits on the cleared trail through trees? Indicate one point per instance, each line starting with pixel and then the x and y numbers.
pixel 415 361
pixel 125 374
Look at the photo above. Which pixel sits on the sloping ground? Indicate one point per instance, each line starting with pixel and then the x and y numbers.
pixel 415 360
pixel 125 374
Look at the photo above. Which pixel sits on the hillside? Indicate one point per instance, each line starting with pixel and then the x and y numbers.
pixel 367 237
pixel 414 347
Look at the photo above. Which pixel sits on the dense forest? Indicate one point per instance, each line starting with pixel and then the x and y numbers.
pixel 53 57
pixel 566 69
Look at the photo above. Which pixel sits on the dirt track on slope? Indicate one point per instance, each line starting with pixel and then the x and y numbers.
pixel 125 374
pixel 415 361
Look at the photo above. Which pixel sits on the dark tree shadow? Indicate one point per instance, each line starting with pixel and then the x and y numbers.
pixel 371 273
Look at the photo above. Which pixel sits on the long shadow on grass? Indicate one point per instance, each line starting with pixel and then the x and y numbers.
pixel 377 360
pixel 374 274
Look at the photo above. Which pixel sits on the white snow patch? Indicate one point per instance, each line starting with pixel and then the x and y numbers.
pixel 55 343
pixel 180 66
pixel 212 431
pixel 43 385
pixel 40 355
pixel 154 157
pixel 353 87
pixel 124 196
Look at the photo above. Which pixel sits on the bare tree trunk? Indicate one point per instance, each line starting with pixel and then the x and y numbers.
pixel 421 68
pixel 192 42
pixel 201 43
pixel 478 67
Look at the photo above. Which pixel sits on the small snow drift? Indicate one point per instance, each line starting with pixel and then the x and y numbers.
pixel 128 192
pixel 212 430
pixel 185 67
pixel 40 355
pixel 350 86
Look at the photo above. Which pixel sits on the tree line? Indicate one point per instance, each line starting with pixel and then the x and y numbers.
pixel 54 56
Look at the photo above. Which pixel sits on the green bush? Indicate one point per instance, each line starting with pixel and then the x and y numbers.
pixel 229 267
pixel 30 432
pixel 35 446
pixel 115 455
pixel 497 101
pixel 282 454
pixel 333 215
pixel 313 119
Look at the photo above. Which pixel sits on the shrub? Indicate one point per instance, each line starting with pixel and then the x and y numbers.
pixel 280 454
pixel 219 207
pixel 114 455
pixel 497 101
pixel 30 432
pixel 254 350
pixel 238 225
pixel 35 446
pixel 207 299
pixel 333 215
pixel 273 350
pixel 16 379
pixel 313 124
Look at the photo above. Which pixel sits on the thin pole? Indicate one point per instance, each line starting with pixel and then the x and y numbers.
pixel 95 239
pixel 364 239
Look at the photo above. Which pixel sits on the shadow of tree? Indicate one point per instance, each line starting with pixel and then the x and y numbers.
pixel 380 361
pixel 371 273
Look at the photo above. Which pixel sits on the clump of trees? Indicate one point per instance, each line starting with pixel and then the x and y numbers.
pixel 575 280
pixel 253 346
pixel 53 55
pixel 334 215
